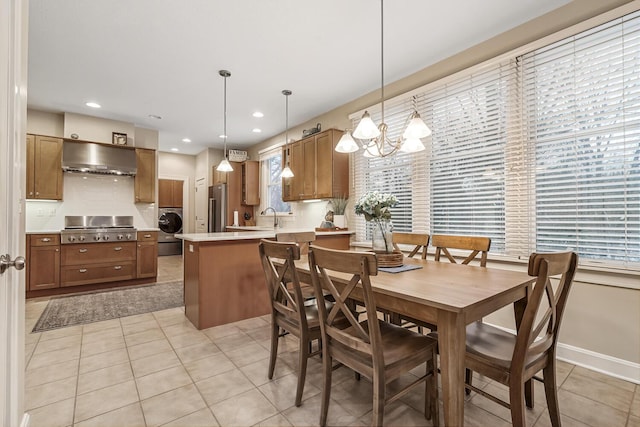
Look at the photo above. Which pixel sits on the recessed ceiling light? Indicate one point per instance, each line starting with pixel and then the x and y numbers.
pixel 258 114
pixel 93 104
pixel 223 136
pixel 256 130
pixel 186 140
pixel 155 116
pixel 174 149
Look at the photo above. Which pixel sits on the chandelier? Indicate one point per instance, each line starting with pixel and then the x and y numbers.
pixel 374 139
pixel 286 172
pixel 224 165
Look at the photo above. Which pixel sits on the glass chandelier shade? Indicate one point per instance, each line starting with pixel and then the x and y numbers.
pixel 224 165
pixel 286 172
pixel 346 144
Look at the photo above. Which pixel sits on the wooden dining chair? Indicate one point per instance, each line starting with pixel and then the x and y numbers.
pixel 373 348
pixel 476 244
pixel 512 359
pixel 420 241
pixel 290 311
pixel 303 238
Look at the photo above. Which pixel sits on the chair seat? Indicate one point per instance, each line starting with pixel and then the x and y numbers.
pixel 311 312
pixel 397 342
pixel 494 344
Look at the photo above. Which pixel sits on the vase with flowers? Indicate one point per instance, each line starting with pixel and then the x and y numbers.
pixel 376 208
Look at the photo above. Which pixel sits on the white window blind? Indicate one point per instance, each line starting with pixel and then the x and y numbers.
pixel 403 175
pixel 582 104
pixel 539 151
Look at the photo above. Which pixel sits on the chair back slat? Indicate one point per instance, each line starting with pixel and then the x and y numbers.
pixel 278 261
pixel 303 238
pixel 478 245
pixel 356 268
pixel 538 331
pixel 420 241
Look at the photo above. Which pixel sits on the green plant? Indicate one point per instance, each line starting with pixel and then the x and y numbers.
pixel 339 205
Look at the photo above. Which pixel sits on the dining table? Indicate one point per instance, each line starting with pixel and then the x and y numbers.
pixel 450 296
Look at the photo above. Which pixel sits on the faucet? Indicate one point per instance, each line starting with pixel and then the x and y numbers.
pixel 275 218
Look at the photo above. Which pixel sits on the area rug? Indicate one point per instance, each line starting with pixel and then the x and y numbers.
pixel 104 305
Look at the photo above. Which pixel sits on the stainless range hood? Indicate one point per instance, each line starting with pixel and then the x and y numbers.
pixel 103 159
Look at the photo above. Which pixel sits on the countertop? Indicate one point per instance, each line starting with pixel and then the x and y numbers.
pixel 259 233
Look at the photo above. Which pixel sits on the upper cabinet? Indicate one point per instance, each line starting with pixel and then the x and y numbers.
pixel 169 193
pixel 145 180
pixel 319 171
pixel 250 183
pixel 44 167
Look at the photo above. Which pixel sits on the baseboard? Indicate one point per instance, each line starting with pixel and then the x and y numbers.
pixel 25 420
pixel 603 363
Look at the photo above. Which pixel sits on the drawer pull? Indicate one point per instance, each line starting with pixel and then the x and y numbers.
pixel 117 249
pixel 46 239
pixel 147 236
pixel 117 267
pixel 83 250
pixel 83 270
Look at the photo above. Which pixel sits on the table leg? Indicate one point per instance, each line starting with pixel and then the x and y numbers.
pixel 451 342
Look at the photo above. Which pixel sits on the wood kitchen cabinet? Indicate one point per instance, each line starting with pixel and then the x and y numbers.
pixel 43 261
pixel 147 254
pixel 235 193
pixel 169 193
pixel 89 263
pixel 250 183
pixel 319 171
pixel 145 179
pixel 44 167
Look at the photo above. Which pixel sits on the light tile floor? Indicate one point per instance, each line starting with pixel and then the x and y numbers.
pixel 156 369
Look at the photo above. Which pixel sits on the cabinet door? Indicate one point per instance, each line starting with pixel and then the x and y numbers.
pixel 145 180
pixel 43 261
pixel 177 194
pixel 250 183
pixel 47 168
pixel 147 260
pixel 309 171
pixel 165 193
pixel 324 165
pixel 31 166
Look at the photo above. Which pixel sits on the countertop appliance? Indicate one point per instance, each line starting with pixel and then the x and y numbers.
pixel 98 158
pixel 169 223
pixel 217 208
pixel 97 229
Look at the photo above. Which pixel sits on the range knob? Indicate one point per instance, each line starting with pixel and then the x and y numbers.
pixel 120 237
pixel 105 237
pixel 72 238
pixel 96 237
pixel 81 238
pixel 129 236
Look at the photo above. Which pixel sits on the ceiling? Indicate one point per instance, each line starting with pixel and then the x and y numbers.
pixel 161 57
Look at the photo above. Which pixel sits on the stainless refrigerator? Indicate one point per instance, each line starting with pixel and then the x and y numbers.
pixel 217 208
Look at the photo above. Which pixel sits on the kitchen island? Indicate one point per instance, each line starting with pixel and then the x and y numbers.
pixel 223 277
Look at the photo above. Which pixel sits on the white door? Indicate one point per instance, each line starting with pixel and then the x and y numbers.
pixel 13 112
pixel 202 202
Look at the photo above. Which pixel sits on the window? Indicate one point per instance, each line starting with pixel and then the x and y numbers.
pixel 539 151
pixel 271 167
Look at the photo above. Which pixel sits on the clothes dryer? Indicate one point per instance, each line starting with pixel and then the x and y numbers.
pixel 169 223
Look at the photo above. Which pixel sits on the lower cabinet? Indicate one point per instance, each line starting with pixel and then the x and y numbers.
pixel 147 254
pixel 43 261
pixel 83 264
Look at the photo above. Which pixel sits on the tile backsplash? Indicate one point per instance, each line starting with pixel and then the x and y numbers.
pixel 88 194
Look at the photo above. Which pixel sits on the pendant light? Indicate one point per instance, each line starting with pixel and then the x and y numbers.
pixel 374 139
pixel 224 165
pixel 286 172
